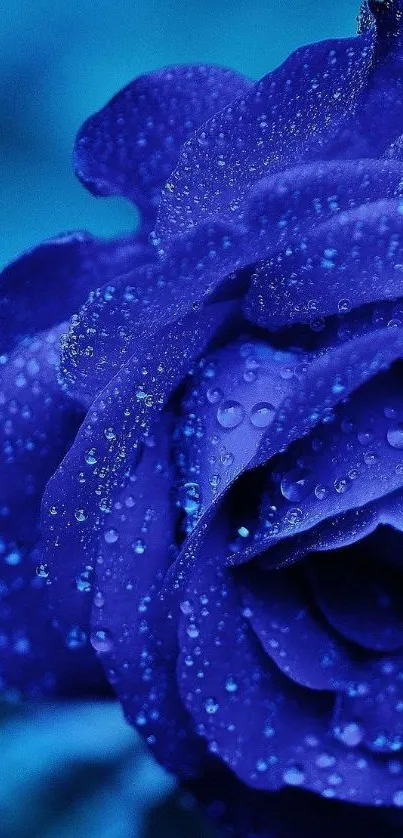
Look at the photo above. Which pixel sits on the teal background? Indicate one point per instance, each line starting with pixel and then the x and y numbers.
pixel 60 61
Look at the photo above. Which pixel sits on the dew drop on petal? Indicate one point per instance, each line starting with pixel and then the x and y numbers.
pixel 210 706
pixel 395 436
pixel 296 484
pixel 111 535
pixel 294 776
pixel 262 414
pixel 101 640
pixel 230 414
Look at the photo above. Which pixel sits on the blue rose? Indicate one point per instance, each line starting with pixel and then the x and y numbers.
pixel 218 450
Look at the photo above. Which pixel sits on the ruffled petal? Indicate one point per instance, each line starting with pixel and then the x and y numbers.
pixel 360 596
pixel 270 732
pixel 130 147
pixel 46 285
pixel 133 556
pixel 79 495
pixel 341 264
pixel 373 709
pixel 282 614
pixel 118 317
pixel 354 459
pixel 278 123
pixel 232 399
pixel 38 424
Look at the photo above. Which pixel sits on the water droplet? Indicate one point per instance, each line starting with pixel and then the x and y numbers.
pixel 111 535
pixel 99 599
pixel 351 734
pixel 341 484
pixel 189 498
pixel 294 776
pixel 214 394
pixel 13 558
pixel 80 515
pixel 296 484
pixel 76 638
pixel 231 685
pixel 365 437
pixel 230 414
pixel 294 516
pixel 83 581
pixel 344 306
pixel 398 798
pixel 262 414
pixel 211 706
pixel 395 436
pixel 101 640
pixel 90 457
pixel 321 492
pixel 139 546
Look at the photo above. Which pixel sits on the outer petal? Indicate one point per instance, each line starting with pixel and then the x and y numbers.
pixel 105 448
pixel 46 285
pixel 278 123
pixel 38 424
pixel 231 401
pixel 269 732
pixel 342 264
pixel 128 614
pixel 131 146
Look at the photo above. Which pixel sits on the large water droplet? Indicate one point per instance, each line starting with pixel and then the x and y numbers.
pixel 211 706
pixel 230 414
pixel 296 484
pixel 294 776
pixel 111 535
pixel 395 436
pixel 262 414
pixel 101 640
pixel 189 498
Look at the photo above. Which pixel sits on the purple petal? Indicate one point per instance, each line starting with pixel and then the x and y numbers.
pixel 230 403
pixel 106 446
pixel 354 459
pixel 270 732
pixel 277 123
pixel 117 318
pixel 133 556
pixel 46 285
pixel 38 424
pixel 369 609
pixel 130 147
pixel 341 264
pixel 282 615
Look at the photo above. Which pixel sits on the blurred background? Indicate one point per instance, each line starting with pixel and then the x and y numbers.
pixel 59 62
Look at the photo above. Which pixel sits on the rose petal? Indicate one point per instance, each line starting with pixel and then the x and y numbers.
pixel 231 401
pixel 130 146
pixel 360 596
pixel 266 729
pixel 47 284
pixel 105 448
pixel 341 264
pixel 38 424
pixel 117 318
pixel 281 613
pixel 281 119
pixel 134 553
